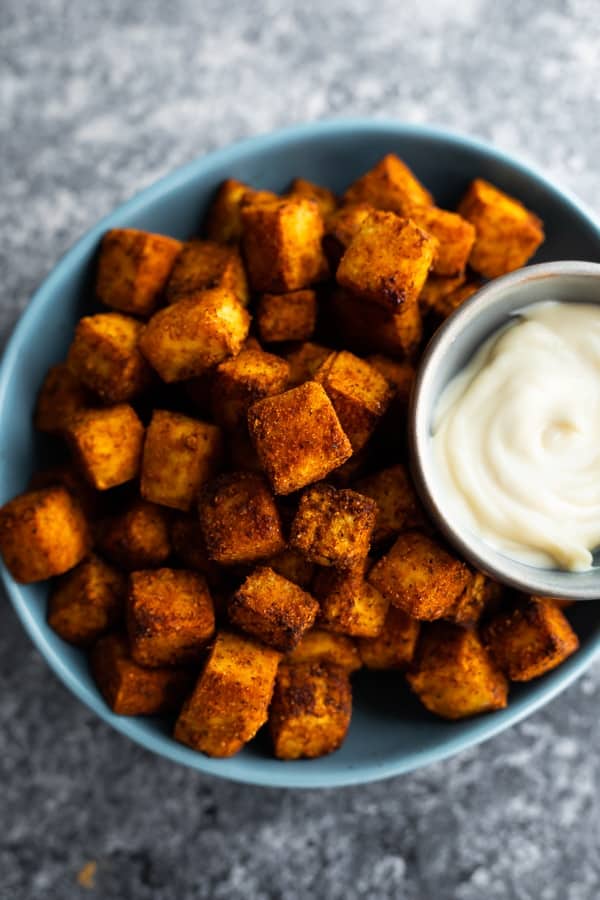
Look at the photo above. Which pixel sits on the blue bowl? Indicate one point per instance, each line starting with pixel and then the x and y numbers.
pixel 390 732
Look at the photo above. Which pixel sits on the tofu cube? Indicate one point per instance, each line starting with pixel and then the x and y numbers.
pixel 224 219
pixel 191 336
pixel 333 527
pixel 311 710
pixel 349 604
pixel 137 538
pixel 293 566
pixel 481 595
pixel 443 304
pixel 340 228
pixel 453 675
pixel 107 444
pixel 61 396
pixel 320 646
pixel 170 617
pixel 367 328
pixel 507 234
pixel 69 477
pixel 282 244
pixel 323 197
pixel 239 519
pixel 203 265
pixel 241 381
pixel 387 261
pixel 420 577
pixel 87 601
pixel 389 185
pixel 398 507
pixel 304 361
pixel 455 237
pixel 42 533
pixel 436 288
pixel 133 690
pixel 287 317
pixel 133 269
pixel 400 375
pixel 231 699
pixel 531 640
pixel 298 437
pixel 394 647
pixel 359 393
pixel 104 356
pixel 180 455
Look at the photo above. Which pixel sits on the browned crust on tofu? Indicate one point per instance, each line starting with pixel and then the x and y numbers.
pixel 87 601
pixel 203 265
pixel 137 538
pixel 333 527
pixel 319 645
pixel 107 444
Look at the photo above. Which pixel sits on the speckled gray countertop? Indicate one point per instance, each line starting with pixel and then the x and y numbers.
pixel 97 100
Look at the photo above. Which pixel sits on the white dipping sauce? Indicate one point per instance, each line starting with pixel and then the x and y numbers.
pixel 516 437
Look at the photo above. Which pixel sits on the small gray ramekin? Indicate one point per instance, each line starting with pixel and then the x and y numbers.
pixel 451 347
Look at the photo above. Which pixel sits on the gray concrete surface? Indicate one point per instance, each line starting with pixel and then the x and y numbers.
pixel 97 100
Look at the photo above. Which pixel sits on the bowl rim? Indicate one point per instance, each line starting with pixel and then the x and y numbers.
pixel 278 774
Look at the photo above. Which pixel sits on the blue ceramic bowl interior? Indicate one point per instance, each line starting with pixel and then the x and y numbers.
pixel 390 732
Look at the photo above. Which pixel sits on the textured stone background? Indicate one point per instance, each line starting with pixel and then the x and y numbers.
pixel 98 99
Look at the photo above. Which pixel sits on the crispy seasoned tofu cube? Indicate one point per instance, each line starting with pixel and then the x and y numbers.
pixel 311 710
pixel 389 185
pixel 241 381
pixel 190 336
pixel 398 507
pixel 387 261
pixel 231 699
pixel 133 269
pixel 531 640
pixel 287 317
pixel 453 675
pixel 359 393
pixel 319 645
pixel 170 617
pixel 137 538
pixel 507 233
pixel 180 454
pixel 272 609
pixel 368 328
pixel 61 396
pixel 436 288
pixel 455 237
pixel 340 228
pixel 87 601
pixel 282 244
pixel 293 566
pixel 394 647
pixel 203 265
pixel 224 219
pixel 104 356
pixel 444 305
pixel 107 443
pixel 298 437
pixel 419 576
pixel 42 533
pixel 349 604
pixel 480 595
pixel 69 477
pixel 305 360
pixel 239 518
pixel 323 197
pixel 333 527
pixel 401 375
pixel 133 690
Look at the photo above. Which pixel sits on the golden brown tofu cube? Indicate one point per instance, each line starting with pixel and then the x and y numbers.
pixel 349 604
pixel 133 269
pixel 203 265
pixel 401 375
pixel 367 328
pixel 359 393
pixel 531 640
pixel 319 645
pixel 323 197
pixel 340 228
pixel 298 437
pixel 69 477
pixel 104 356
pixel 387 261
pixel 398 507
pixel 282 244
pixel 333 527
pixel 445 304
pixel 170 617
pixel 480 595
pixel 180 454
pixel 394 647
pixel 436 288
pixel 224 219
pixel 272 609
pixel 187 338
pixel 107 443
pixel 293 566
pixel 61 396
pixel 42 533
pixel 419 576
pixel 241 381
pixel 305 360
pixel 287 317
pixel 133 690
pixel 507 233
pixel 239 518
pixel 137 538
pixel 231 699
pixel 311 710
pixel 87 601
pixel 453 675
pixel 455 237
pixel 389 185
